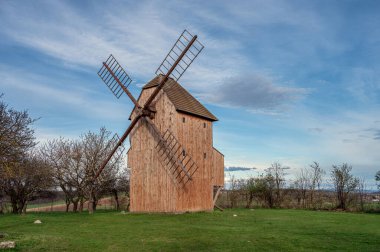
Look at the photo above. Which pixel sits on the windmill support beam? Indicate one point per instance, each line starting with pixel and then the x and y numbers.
pixel 217 194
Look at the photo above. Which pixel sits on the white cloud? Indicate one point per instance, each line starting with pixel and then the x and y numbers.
pixel 50 93
pixel 256 93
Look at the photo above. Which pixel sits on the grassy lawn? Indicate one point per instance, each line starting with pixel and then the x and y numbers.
pixel 258 230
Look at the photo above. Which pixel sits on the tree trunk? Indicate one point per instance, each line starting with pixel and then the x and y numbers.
pixel 75 205
pixel 129 201
pixel 81 202
pixel 116 199
pixel 21 205
pixel 1 207
pixel 92 204
pixel 24 208
pixel 14 206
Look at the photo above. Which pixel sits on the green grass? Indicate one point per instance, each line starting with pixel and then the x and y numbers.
pixel 257 230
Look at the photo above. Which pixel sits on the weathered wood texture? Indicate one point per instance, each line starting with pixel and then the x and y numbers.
pixel 218 168
pixel 153 187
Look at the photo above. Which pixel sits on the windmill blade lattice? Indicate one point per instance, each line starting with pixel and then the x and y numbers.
pixel 180 45
pixel 115 157
pixel 119 151
pixel 178 163
pixel 114 76
pixel 175 158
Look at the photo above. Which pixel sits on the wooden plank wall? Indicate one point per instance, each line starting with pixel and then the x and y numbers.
pixel 197 141
pixel 152 188
pixel 218 168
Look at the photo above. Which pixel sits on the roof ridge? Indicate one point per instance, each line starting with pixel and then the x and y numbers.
pixel 182 100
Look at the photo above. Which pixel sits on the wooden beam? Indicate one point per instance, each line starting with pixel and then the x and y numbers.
pixel 221 209
pixel 217 194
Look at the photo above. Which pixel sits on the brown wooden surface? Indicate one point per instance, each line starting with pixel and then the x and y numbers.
pixel 152 185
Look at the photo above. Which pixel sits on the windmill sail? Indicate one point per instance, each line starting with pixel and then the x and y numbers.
pixel 179 58
pixel 114 76
pixel 182 42
pixel 175 158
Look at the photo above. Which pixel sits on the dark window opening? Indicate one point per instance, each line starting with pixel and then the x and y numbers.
pixel 183 119
pixel 183 153
pixel 204 155
pixel 204 125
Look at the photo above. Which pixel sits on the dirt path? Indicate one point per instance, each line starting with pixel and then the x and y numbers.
pixel 103 203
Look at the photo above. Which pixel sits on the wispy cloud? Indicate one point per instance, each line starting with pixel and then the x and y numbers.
pixel 255 93
pixel 234 168
pixel 315 61
pixel 51 94
pixel 315 129
pixel 139 45
pixel 363 84
pixel 375 133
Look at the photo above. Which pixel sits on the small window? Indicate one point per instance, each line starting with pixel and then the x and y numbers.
pixel 183 153
pixel 204 155
pixel 183 119
pixel 204 125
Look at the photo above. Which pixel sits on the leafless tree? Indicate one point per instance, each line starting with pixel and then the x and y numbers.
pixel 269 189
pixel 344 183
pixel 301 186
pixel 65 159
pixel 249 186
pixel 277 172
pixel 16 134
pixel 121 185
pixel 75 163
pixel 24 179
pixel 96 147
pixel 22 172
pixel 234 191
pixel 361 193
pixel 316 176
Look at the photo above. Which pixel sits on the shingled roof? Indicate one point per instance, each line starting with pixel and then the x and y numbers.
pixel 182 100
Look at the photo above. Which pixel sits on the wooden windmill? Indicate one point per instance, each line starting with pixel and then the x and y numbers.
pixel 174 166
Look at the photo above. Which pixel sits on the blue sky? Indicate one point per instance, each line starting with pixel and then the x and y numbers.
pixel 290 81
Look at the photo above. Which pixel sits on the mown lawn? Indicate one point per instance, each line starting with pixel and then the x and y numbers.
pixel 250 230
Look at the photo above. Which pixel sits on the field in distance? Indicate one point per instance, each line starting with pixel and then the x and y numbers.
pixel 231 230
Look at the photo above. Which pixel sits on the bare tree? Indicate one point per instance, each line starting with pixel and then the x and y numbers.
pixel 75 163
pixel 301 185
pixel 344 183
pixel 277 173
pixel 316 175
pixel 269 189
pixel 234 191
pixel 96 147
pixel 361 193
pixel 121 185
pixel 16 135
pixel 22 172
pixel 249 186
pixel 65 159
pixel 23 180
